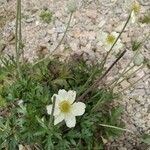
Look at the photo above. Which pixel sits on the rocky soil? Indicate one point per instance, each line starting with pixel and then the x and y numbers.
pixel 92 17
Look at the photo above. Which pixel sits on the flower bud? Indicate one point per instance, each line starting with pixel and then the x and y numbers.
pixel 135 6
pixel 72 6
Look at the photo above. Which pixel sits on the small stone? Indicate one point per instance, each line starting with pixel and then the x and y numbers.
pixel 30 20
pixel 74 45
pixel 91 14
pixel 125 84
pixel 101 24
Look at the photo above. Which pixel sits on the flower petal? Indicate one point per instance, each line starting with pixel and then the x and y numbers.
pixel 59 118
pixel 49 110
pixel 133 17
pixel 118 45
pixel 70 120
pixel 78 109
pixel 101 36
pixel 58 99
pixel 63 94
pixel 71 96
pixel 104 37
pixel 107 47
pixel 115 34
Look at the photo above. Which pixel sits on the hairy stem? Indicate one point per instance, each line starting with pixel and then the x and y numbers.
pixel 96 83
pixel 18 37
pixel 88 81
pixel 117 83
pixel 52 113
pixel 114 127
pixel 121 75
pixel 68 25
pixel 97 104
pixel 125 70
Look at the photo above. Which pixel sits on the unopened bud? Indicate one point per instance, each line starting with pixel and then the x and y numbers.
pixel 72 6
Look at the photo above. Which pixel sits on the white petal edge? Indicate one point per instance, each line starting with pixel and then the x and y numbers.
pixel 62 94
pixel 70 120
pixel 71 96
pixel 78 108
pixel 118 45
pixel 101 36
pixel 104 37
pixel 115 34
pixel 49 110
pixel 58 99
pixel 107 47
pixel 58 119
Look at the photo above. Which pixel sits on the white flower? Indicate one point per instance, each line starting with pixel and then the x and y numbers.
pixel 108 40
pixel 65 108
pixel 134 7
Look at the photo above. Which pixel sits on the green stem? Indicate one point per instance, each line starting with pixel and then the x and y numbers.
pixel 68 24
pixel 128 76
pixel 53 108
pixel 60 42
pixel 104 61
pixel 114 127
pixel 125 70
pixel 20 32
pixel 97 104
pixel 16 32
pixel 1 129
pixel 96 83
pixel 17 42
pixel 88 81
pixel 121 75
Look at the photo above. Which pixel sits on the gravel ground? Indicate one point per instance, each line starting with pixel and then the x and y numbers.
pixel 91 17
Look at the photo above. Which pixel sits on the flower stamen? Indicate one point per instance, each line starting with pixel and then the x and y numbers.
pixel 110 39
pixel 64 106
pixel 135 7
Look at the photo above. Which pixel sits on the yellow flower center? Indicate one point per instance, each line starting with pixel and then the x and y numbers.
pixel 110 39
pixel 135 7
pixel 64 106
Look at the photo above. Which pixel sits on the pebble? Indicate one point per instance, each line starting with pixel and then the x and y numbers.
pixel 91 14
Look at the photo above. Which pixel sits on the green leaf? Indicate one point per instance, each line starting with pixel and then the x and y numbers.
pixel 42 124
pixel 145 18
pixel 46 16
pixel 146 139
pixel 2 102
pixel 136 45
